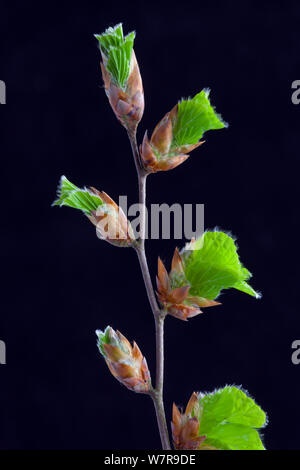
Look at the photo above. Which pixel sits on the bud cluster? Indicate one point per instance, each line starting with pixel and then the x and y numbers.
pixel 186 426
pixel 161 153
pixel 173 291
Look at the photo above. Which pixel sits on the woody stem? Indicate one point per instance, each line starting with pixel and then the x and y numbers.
pixel 159 316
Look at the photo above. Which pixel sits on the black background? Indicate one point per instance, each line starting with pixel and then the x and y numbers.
pixel 60 283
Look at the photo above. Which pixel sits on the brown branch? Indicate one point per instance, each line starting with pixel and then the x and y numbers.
pixel 159 315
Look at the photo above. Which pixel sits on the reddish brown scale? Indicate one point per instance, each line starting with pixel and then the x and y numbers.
pixel 178 302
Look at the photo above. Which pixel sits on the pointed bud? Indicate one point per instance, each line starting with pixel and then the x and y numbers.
pixel 179 132
pixel 162 135
pixel 121 76
pixel 109 219
pixel 153 160
pixel 111 222
pixel 183 312
pixel 185 427
pixel 126 363
pixel 173 291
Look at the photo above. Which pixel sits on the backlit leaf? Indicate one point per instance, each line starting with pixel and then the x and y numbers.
pixel 72 196
pixel 117 50
pixel 229 419
pixel 212 263
pixel 195 117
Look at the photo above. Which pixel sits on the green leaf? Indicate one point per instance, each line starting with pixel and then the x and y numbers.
pixel 212 264
pixel 103 338
pixel 114 338
pixel 118 52
pixel 229 419
pixel 64 188
pixel 112 37
pixel 243 286
pixel 70 195
pixel 195 116
pixel 82 199
pixel 230 404
pixel 235 437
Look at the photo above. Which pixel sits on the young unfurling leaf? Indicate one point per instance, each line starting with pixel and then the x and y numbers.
pixel 194 117
pixel 212 264
pixel 109 219
pixel 199 273
pixel 117 51
pixel 179 132
pixel 70 195
pixel 227 419
pixel 121 76
pixel 175 298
